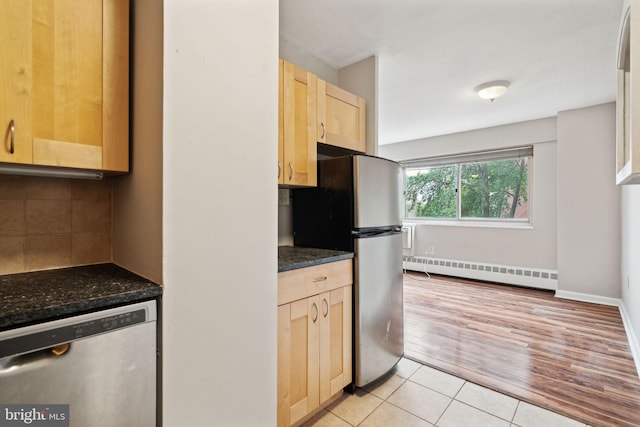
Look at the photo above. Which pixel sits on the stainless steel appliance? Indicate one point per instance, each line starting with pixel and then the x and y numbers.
pixel 102 364
pixel 356 207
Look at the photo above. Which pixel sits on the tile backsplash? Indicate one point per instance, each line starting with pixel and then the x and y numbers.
pixel 53 222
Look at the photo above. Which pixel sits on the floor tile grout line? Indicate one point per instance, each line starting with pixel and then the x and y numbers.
pixel 429 388
pixel 449 405
pixel 409 412
pixel 511 421
pixel 513 417
pixel 488 388
pixel 369 414
pixel 372 411
pixel 483 411
pixel 340 418
pixel 443 412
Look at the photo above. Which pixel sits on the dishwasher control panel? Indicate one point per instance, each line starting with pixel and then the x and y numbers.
pixel 71 329
pixel 107 324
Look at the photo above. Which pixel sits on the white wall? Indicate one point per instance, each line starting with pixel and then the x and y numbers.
pixel 588 203
pixel 534 247
pixel 630 206
pixel 630 248
pixel 220 133
pixel 137 197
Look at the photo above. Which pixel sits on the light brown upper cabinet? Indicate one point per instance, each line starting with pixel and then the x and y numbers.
pixel 628 98
pixel 341 117
pixel 15 82
pixel 297 126
pixel 68 66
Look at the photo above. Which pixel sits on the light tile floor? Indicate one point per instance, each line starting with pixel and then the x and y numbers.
pixel 420 396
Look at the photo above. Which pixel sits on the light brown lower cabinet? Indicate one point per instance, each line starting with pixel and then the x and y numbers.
pixel 314 349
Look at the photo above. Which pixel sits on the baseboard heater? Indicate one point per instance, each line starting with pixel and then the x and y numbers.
pixel 521 276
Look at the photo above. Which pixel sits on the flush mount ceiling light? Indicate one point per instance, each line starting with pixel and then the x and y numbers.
pixel 492 90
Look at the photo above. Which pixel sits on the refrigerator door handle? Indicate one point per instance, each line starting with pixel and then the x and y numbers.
pixel 361 234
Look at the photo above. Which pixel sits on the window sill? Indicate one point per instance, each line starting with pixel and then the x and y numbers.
pixel 467 223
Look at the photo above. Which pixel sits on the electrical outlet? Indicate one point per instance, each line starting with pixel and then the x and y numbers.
pixel 283 197
pixel 430 250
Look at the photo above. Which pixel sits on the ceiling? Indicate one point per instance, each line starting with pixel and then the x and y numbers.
pixel 557 54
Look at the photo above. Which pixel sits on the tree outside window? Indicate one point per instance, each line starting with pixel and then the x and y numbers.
pixel 492 189
pixel 431 192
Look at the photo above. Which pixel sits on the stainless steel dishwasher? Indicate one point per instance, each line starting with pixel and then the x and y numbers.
pixel 102 364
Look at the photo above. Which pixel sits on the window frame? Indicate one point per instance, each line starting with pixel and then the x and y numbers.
pixel 458 160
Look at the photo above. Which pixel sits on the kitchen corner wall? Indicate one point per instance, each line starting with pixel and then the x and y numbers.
pixel 588 203
pixel 52 222
pixel 137 197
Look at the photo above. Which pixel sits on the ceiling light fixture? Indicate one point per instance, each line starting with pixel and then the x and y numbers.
pixel 492 90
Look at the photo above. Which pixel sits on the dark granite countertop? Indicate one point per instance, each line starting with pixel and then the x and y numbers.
pixel 27 298
pixel 294 257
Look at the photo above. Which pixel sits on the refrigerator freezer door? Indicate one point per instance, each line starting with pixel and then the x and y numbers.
pixel 379 331
pixel 377 185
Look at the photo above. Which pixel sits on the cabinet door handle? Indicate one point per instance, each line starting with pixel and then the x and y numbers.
pixel 290 170
pixel 322 126
pixel 12 129
pixel 315 315
pixel 319 279
pixel 279 169
pixel 325 309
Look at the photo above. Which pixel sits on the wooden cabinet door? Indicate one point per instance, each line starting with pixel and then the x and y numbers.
pixel 335 341
pixel 299 110
pixel 345 119
pixel 15 81
pixel 298 359
pixel 80 83
pixel 280 122
pixel 321 114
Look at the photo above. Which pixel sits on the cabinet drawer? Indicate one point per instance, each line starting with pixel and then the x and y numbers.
pixel 305 282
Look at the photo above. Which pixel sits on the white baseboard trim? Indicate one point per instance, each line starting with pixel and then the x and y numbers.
pixel 595 299
pixel 631 336
pixel 634 346
pixel 520 276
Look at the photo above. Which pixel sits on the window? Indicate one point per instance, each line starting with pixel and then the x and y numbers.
pixel 482 186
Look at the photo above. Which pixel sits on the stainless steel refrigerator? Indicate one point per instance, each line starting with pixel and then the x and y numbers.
pixel 356 207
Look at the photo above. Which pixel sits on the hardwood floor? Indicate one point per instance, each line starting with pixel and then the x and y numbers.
pixel 569 357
